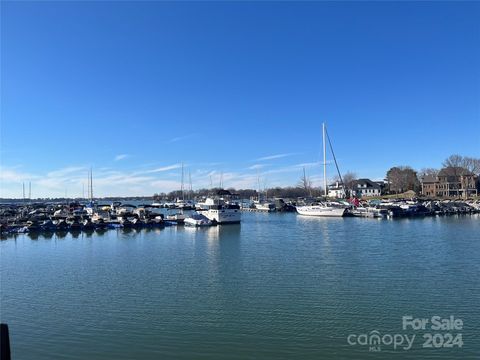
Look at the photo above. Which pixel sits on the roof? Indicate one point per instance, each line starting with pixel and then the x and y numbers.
pixel 369 183
pixel 336 185
pixel 429 179
pixel 454 171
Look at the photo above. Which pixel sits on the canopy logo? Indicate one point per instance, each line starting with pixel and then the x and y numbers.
pixel 437 333
pixel 375 340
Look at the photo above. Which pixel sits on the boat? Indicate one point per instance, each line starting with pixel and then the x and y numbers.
pixel 219 211
pixel 177 217
pixel 198 220
pixel 323 208
pixel 264 206
pixel 61 225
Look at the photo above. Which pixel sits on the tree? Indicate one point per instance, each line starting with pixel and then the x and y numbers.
pixel 453 161
pixel 465 162
pixel 427 172
pixel 472 164
pixel 305 184
pixel 348 179
pixel 402 178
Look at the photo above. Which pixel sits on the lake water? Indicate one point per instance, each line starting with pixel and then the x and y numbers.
pixel 278 286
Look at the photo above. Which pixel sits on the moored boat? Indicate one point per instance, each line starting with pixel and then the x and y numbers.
pixel 321 210
pixel 198 220
pixel 324 209
pixel 220 209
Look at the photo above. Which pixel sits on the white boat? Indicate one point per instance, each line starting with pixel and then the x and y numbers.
pixel 323 209
pixel 221 212
pixel 264 206
pixel 198 220
pixel 178 217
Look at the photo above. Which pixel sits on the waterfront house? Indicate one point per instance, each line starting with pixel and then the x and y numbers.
pixel 366 187
pixel 429 185
pixel 451 181
pixel 336 190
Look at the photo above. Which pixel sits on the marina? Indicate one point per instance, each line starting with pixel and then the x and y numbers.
pixel 277 286
pixel 239 180
pixel 76 216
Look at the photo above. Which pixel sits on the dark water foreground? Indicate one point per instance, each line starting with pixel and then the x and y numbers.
pixel 278 286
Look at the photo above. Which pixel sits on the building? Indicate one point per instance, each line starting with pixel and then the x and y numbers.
pixel 450 182
pixel 366 187
pixel 429 185
pixel 336 190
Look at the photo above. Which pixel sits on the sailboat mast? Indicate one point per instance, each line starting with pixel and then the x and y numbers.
pixel 190 190
pixel 183 193
pixel 91 184
pixel 324 161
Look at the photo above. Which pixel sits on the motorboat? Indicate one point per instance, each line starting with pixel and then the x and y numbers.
pixel 219 211
pixel 264 206
pixel 197 220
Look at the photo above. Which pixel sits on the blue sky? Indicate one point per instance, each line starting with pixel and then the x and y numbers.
pixel 134 89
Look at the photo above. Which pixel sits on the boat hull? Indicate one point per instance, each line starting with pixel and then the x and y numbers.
pixel 223 216
pixel 326 211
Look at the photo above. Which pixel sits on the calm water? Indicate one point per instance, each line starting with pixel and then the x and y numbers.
pixel 278 286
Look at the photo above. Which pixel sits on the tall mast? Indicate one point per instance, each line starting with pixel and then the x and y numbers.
pixel 190 181
pixel 30 191
pixel 258 181
pixel 91 184
pixel 324 161
pixel 23 188
pixel 183 195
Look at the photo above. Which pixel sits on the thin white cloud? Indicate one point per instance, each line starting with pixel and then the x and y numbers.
pixel 180 138
pixel 66 171
pixel 164 168
pixel 12 175
pixel 308 164
pixel 273 157
pixel 121 157
pixel 256 166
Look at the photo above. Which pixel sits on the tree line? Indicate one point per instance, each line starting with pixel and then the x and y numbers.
pixel 399 179
pixel 405 178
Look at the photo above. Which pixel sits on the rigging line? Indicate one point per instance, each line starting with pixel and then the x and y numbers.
pixel 335 159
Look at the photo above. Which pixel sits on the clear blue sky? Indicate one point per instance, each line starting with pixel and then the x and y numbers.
pixel 134 89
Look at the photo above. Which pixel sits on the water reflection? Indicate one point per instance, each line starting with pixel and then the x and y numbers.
pixel 214 233
pixel 47 235
pixel 33 235
pixel 101 232
pixel 75 233
pixel 61 234
pixel 88 233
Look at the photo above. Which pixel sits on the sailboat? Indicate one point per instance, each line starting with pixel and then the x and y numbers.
pixel 323 209
pixel 90 206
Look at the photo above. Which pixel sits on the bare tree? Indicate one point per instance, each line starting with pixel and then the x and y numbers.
pixel 453 161
pixel 472 164
pixel 463 162
pixel 305 183
pixel 428 171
